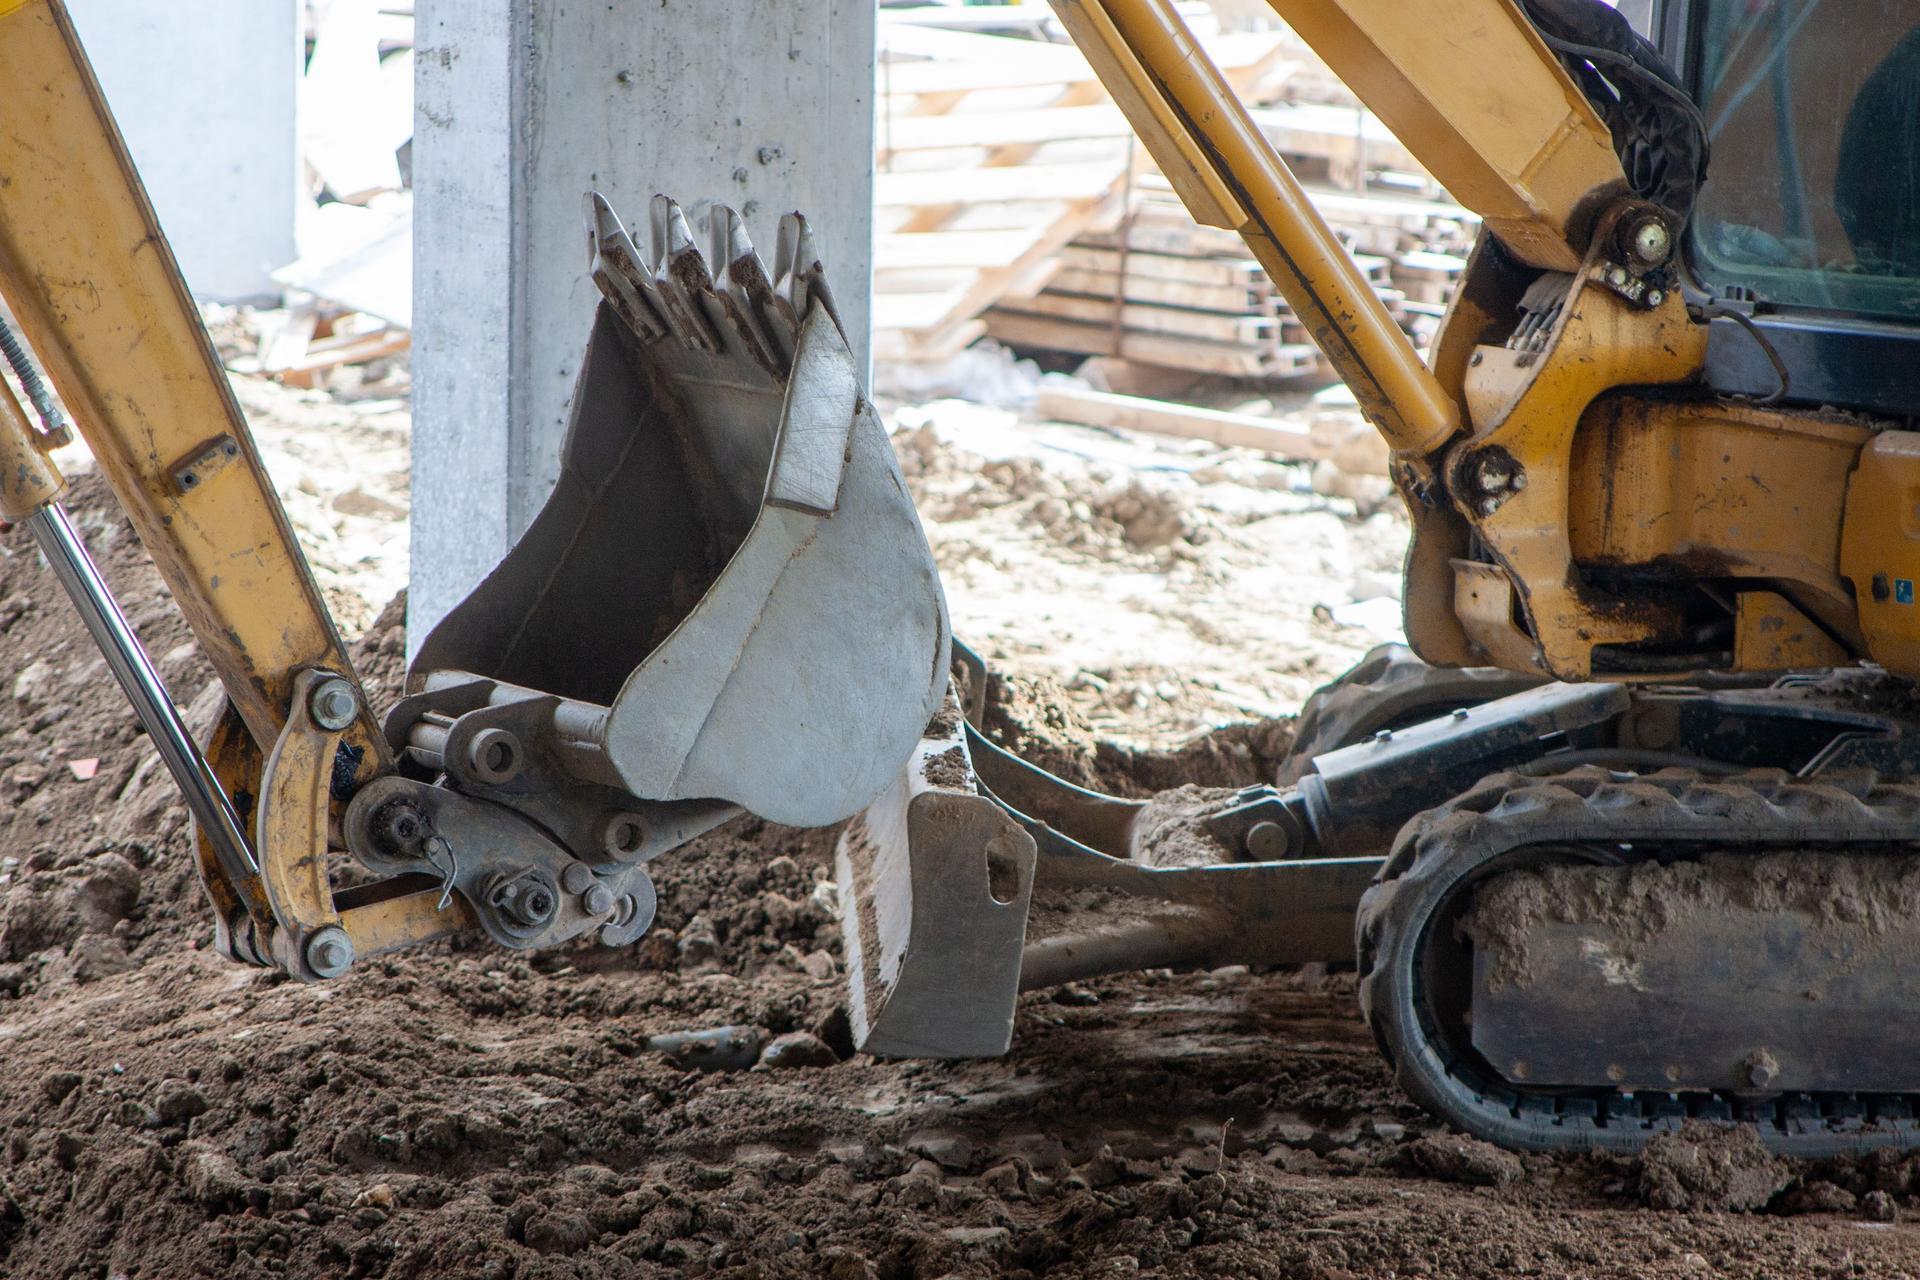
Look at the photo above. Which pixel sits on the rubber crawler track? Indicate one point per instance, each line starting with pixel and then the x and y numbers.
pixel 1515 819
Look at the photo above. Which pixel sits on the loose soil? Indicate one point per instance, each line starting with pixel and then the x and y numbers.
pixel 460 1111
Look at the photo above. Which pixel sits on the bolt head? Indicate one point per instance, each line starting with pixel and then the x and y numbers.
pixel 1652 242
pixel 1616 275
pixel 330 952
pixel 333 704
pixel 597 900
pixel 1655 297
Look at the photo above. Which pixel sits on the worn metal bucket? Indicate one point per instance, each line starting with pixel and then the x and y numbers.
pixel 727 602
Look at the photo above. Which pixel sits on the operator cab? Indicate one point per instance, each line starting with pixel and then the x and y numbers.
pixel 1809 221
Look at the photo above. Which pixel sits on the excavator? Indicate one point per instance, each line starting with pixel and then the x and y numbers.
pixel 1629 839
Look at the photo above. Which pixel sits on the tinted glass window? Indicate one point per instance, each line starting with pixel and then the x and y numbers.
pixel 1813 194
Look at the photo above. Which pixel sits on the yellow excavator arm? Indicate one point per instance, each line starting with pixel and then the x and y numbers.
pixel 1580 507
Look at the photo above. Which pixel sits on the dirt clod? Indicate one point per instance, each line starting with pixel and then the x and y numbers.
pixel 1702 1167
pixel 1461 1159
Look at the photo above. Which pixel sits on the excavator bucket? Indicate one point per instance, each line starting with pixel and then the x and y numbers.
pixel 728 602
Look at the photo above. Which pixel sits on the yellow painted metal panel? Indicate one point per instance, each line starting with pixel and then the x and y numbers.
pixel 1174 94
pixel 86 270
pixel 1469 88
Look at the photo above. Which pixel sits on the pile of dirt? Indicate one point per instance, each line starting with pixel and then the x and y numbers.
pixel 462 1111
pixel 1031 717
pixel 1164 586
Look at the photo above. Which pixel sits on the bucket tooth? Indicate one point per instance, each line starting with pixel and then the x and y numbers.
pixel 744 286
pixel 615 265
pixel 680 276
pixel 799 279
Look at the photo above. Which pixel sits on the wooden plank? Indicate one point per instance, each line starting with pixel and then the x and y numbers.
pixel 1190 240
pixel 912 310
pixel 1250 299
pixel 1175 268
pixel 989 65
pixel 1142 318
pixel 925 250
pixel 1165 418
pixel 330 353
pixel 1046 332
pixel 1026 273
pixel 1328 132
pixel 1001 128
pixel 992 185
pixel 902 345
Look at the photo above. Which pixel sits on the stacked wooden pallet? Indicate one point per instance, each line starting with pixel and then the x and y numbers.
pixel 993 154
pixel 1010 201
pixel 1155 287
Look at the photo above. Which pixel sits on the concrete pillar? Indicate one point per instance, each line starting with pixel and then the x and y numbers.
pixel 520 108
pixel 204 91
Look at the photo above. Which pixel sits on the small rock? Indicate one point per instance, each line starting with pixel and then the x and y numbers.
pixel 1004 1180
pixel 948 1150
pixel 819 966
pixel 1819 1197
pixel 1879 1206
pixel 797 1049
pixel 30 686
pixel 99 955
pixel 178 1102
pixel 1468 1160
pixel 699 944
pixel 378 1196
pixel 563 1233
pixel 1075 997
pixel 56 1085
pixel 109 892
pixel 715 1049
pixel 979 1240
pixel 210 1176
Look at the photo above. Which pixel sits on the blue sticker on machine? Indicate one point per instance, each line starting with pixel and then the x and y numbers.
pixel 1903 590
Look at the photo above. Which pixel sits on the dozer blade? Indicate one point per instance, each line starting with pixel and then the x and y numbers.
pixel 727 603
pixel 977 875
pixel 934 881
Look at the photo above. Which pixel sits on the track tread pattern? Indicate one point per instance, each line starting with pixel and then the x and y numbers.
pixel 1441 852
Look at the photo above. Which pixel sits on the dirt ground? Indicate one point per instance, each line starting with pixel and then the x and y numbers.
pixel 461 1111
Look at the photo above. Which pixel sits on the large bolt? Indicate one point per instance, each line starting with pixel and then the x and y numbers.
pixel 329 951
pixel 1652 242
pixel 333 704
pixel 1762 1069
pixel 598 900
pixel 526 901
